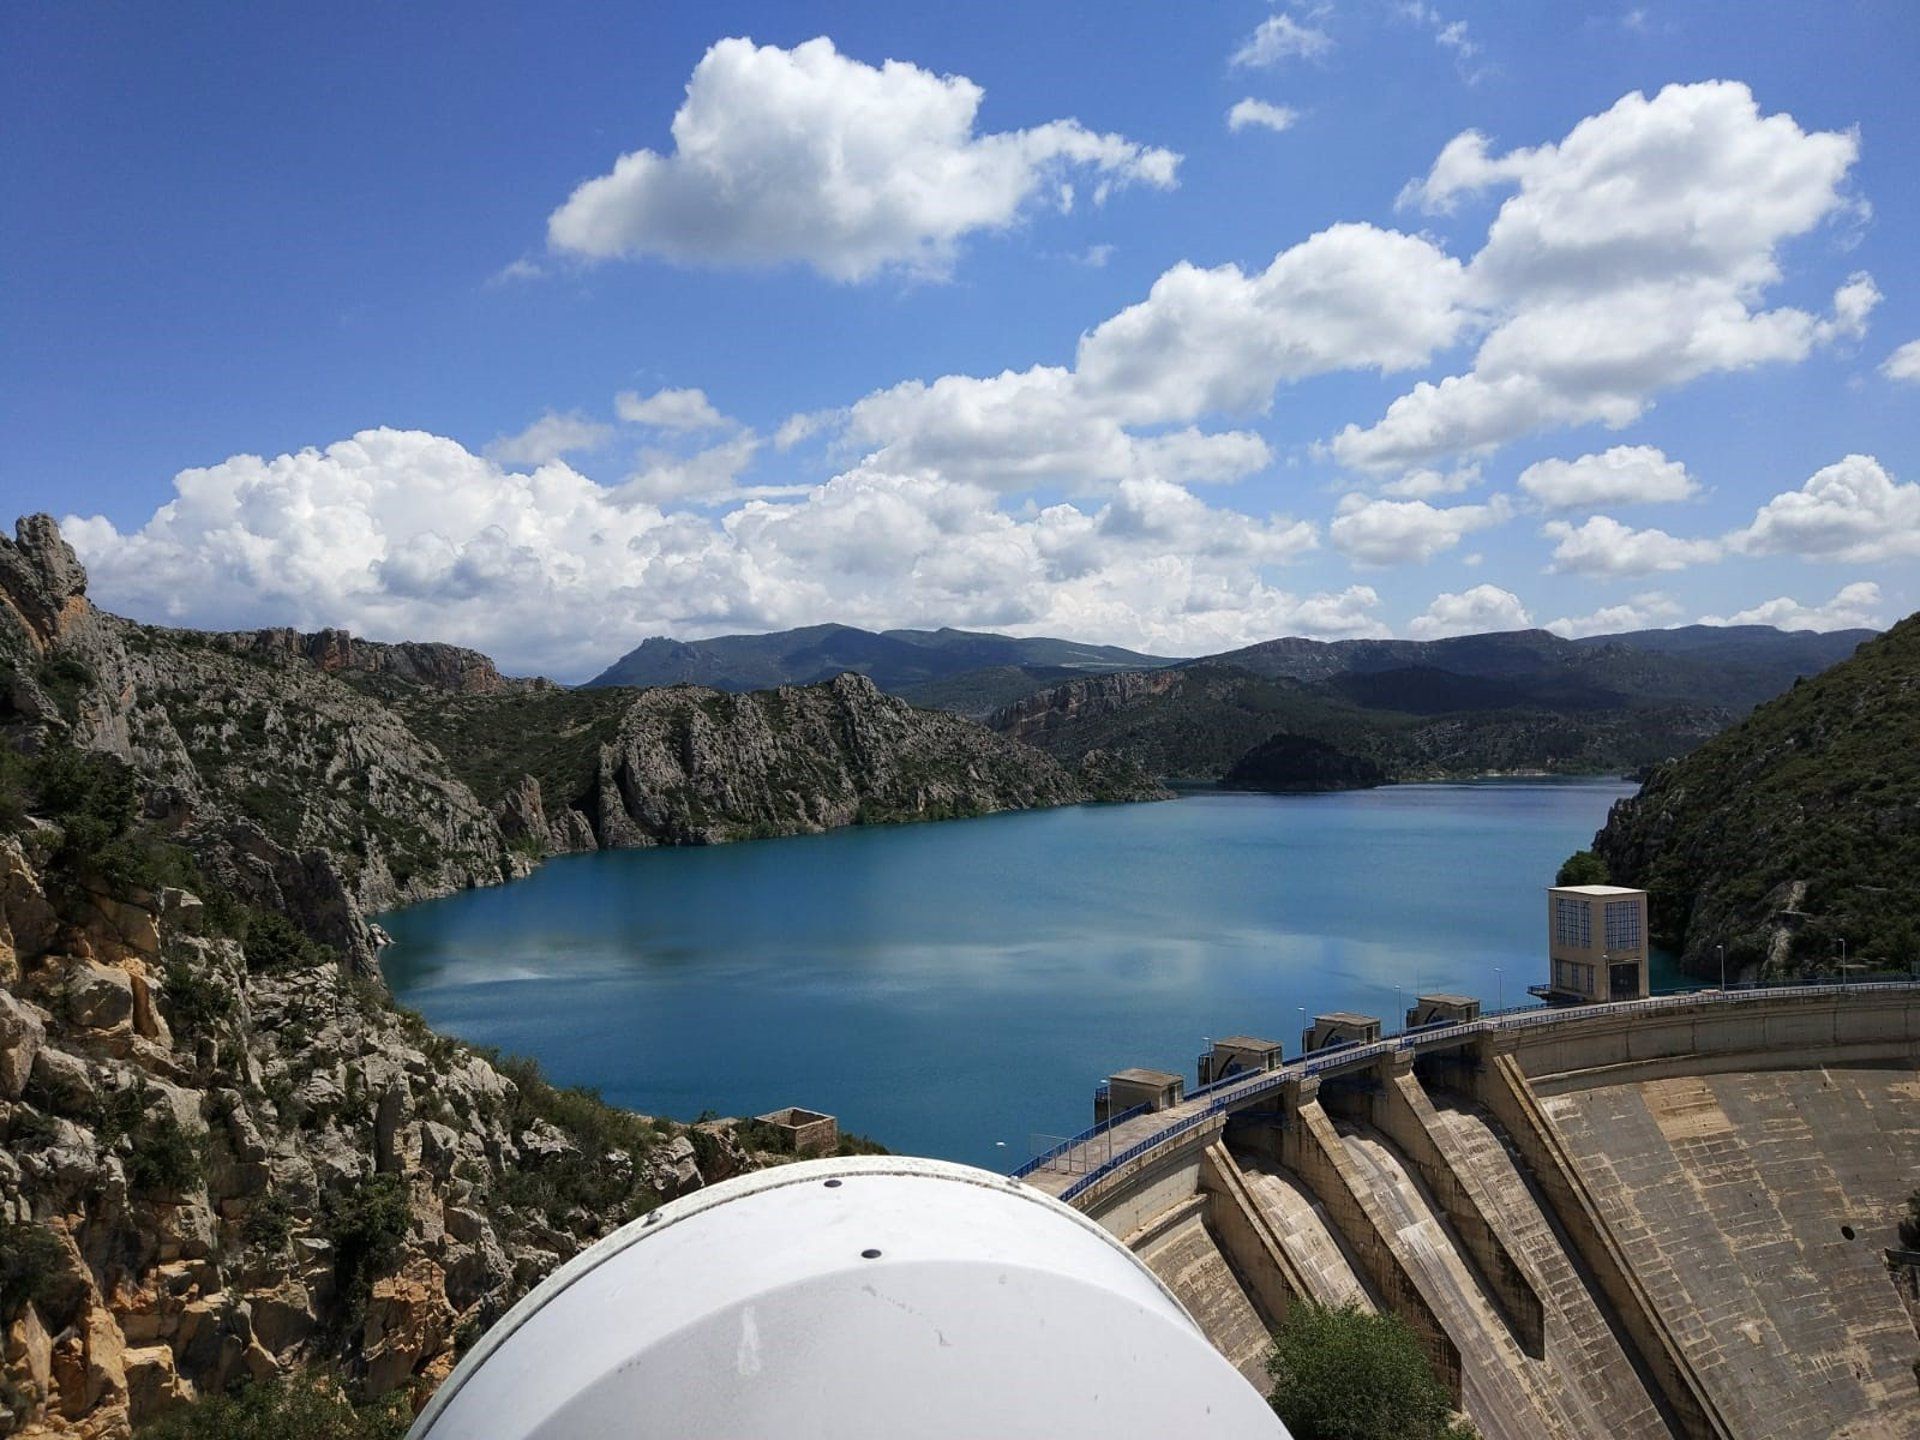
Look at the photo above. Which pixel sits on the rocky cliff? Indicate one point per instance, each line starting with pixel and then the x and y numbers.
pixel 229 1160
pixel 227 1155
pixel 1796 830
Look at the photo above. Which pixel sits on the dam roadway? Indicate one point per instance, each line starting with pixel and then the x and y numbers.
pixel 1672 1217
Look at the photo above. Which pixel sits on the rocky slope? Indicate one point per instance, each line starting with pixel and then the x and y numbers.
pixel 228 1160
pixel 1796 829
pixel 683 764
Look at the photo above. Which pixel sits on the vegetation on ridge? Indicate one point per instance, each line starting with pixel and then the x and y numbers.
pixel 1794 831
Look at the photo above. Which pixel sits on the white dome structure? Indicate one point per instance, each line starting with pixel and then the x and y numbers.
pixel 844 1299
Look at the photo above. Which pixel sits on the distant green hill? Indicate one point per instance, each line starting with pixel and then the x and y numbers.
pixel 1518 701
pixel 1513 701
pixel 898 661
pixel 1734 666
pixel 1197 722
pixel 1794 830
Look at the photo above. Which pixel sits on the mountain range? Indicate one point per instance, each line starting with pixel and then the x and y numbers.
pixel 967 671
pixel 1520 701
pixel 1524 700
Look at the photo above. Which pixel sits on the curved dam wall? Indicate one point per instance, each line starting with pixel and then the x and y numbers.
pixel 1669 1218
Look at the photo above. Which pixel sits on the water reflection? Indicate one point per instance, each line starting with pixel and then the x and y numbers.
pixel 947 986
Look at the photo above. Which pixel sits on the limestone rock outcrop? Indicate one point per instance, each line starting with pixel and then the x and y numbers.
pixel 214 1171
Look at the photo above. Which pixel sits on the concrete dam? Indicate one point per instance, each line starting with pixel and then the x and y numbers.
pixel 1670 1217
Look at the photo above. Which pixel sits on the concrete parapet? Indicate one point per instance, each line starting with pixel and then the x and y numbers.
pixel 1607 1046
pixel 1501 1087
pixel 1132 1194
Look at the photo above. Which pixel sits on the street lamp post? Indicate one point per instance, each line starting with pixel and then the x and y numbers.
pixel 1722 951
pixel 1499 991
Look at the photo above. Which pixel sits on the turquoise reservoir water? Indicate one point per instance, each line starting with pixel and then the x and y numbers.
pixel 955 989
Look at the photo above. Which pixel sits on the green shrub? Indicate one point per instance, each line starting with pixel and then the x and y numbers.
pixel 269 1224
pixel 366 1225
pixel 13 783
pixel 583 1180
pixel 95 800
pixel 162 1157
pixel 121 1112
pixel 197 1000
pixel 296 1408
pixel 65 680
pixel 1583 867
pixel 1350 1374
pixel 31 1260
pixel 273 942
pixel 165 1159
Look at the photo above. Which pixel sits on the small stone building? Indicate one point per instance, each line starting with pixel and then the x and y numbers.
pixel 804 1132
pixel 1442 1010
pixel 1125 1089
pixel 1238 1055
pixel 1341 1027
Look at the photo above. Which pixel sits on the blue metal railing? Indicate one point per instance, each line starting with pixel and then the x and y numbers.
pixel 1135 1151
pixel 1071 1141
pixel 1237 1090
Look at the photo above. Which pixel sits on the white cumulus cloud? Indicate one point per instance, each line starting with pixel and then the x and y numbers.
pixel 1851 510
pixel 1203 342
pixel 1653 610
pixel 399 534
pixel 1481 610
pixel 1623 475
pixel 550 437
pixel 1853 607
pixel 1632 256
pixel 1398 532
pixel 1281 37
pixel 1260 114
pixel 685 409
pixel 1349 297
pixel 1603 546
pixel 809 155
pixel 1427 484
pixel 1904 363
pixel 1028 428
pixel 703 477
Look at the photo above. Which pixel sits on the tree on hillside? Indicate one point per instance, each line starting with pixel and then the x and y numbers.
pixel 1583 867
pixel 1349 1374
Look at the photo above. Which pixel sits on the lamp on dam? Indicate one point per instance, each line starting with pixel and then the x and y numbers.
pixel 873 1296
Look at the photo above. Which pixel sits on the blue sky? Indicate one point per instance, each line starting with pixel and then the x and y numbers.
pixel 289 293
